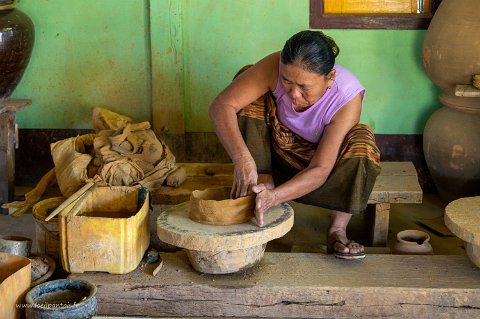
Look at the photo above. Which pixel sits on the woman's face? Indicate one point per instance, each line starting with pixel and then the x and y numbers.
pixel 304 87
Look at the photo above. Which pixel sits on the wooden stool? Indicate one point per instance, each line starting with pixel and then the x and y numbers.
pixel 461 217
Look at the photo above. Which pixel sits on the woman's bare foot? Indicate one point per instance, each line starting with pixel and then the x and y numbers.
pixel 337 241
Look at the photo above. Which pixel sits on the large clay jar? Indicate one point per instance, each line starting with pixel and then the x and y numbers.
pixel 16 42
pixel 451 140
pixel 412 242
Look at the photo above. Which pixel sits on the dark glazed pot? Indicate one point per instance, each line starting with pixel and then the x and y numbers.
pixel 451 140
pixel 62 298
pixel 17 36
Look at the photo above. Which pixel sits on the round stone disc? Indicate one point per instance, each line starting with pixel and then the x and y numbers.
pixel 176 228
pixel 461 217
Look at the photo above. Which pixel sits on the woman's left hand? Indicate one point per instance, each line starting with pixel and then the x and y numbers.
pixel 265 199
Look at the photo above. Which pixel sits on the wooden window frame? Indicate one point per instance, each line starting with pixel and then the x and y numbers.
pixel 320 20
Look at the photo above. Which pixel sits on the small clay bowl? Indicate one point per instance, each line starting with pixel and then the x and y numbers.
pixel 213 206
pixel 62 298
pixel 16 245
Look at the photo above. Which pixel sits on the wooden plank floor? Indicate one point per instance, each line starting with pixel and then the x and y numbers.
pixel 298 285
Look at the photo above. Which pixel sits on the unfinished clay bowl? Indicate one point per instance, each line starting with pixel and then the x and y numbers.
pixel 213 206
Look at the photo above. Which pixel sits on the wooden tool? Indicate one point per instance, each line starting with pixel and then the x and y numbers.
pixel 467 90
pixel 75 196
pixel 79 203
pixel 158 268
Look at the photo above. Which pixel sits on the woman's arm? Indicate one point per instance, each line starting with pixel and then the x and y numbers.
pixel 246 88
pixel 321 165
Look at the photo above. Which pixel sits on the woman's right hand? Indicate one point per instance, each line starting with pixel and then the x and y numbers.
pixel 245 177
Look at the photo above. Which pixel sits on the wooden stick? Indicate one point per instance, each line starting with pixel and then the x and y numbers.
pixel 70 200
pixel 158 268
pixel 80 203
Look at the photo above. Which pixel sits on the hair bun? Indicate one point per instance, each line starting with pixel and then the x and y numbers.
pixel 331 42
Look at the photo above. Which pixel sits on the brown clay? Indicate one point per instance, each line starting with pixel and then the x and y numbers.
pixel 213 206
pixel 177 177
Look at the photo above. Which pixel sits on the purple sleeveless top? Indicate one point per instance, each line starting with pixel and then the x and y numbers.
pixel 310 123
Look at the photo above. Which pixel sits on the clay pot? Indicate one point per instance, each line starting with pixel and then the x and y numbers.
pixel 213 206
pixel 17 37
pixel 412 242
pixel 62 298
pixel 451 140
pixel 16 245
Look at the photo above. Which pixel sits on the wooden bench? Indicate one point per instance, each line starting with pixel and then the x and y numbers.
pixel 397 183
pixel 297 285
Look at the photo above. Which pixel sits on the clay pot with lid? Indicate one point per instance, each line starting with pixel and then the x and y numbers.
pixel 412 242
pixel 451 139
pixel 17 36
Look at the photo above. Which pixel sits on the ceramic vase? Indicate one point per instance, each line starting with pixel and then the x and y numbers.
pixel 451 139
pixel 412 242
pixel 17 36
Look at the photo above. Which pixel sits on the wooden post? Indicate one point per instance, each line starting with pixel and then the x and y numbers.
pixel 379 217
pixel 8 143
pixel 7 158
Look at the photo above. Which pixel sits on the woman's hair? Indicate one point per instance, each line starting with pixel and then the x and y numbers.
pixel 313 50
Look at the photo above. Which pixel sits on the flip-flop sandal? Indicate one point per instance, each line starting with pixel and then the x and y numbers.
pixel 359 255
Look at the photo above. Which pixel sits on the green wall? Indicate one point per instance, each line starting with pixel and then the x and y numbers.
pixel 87 53
pixel 101 53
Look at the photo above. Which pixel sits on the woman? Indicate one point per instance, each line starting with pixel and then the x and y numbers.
pixel 298 112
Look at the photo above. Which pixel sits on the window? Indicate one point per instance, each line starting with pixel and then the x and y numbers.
pixel 372 14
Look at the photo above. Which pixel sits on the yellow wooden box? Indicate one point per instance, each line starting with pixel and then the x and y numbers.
pixel 111 233
pixel 15 280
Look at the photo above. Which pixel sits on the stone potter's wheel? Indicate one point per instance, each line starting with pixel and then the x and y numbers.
pixel 461 217
pixel 222 249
